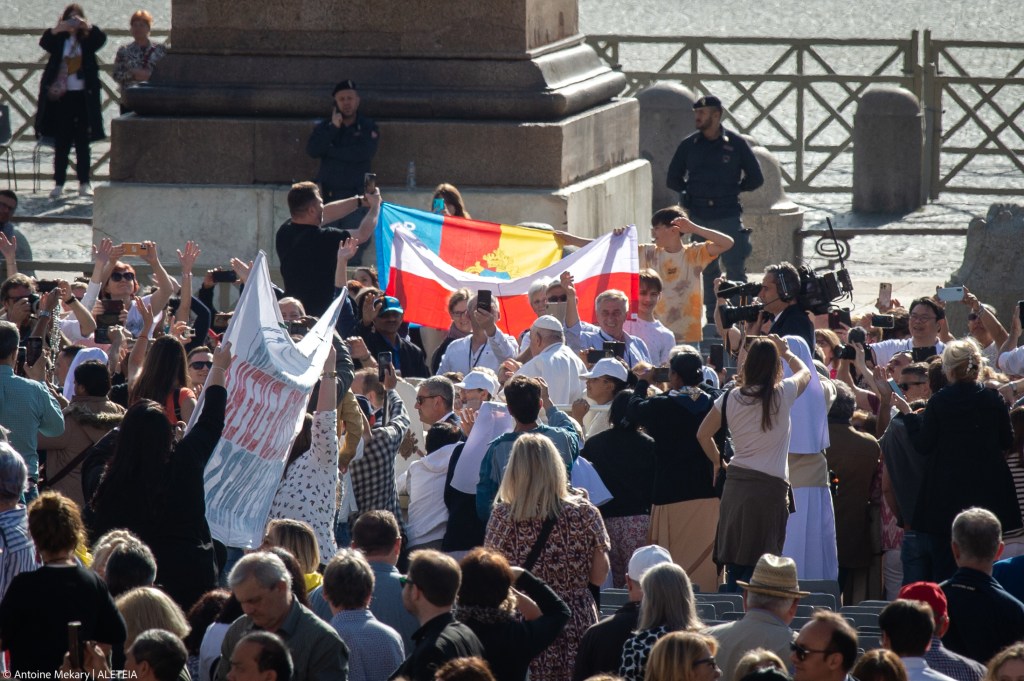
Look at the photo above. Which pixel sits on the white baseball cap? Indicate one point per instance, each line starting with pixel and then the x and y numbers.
pixel 644 558
pixel 478 380
pixel 608 366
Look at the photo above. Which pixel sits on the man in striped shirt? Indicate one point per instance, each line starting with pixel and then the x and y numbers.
pixel 17 552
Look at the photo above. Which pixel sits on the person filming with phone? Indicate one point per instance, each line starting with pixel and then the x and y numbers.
pixel 486 346
pixel 925 315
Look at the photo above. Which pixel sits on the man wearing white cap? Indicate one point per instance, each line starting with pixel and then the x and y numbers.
pixel 606 380
pixel 600 649
pixel 769 599
pixel 480 385
pixel 554 361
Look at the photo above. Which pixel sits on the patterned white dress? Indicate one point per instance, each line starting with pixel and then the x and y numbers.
pixel 309 489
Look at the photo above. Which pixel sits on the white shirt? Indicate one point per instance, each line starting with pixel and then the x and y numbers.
pixel 424 483
pixel 767 452
pixel 561 369
pixel 1012 362
pixel 69 325
pixel 584 335
pixel 462 357
pixel 658 338
pixel 884 350
pixel 918 670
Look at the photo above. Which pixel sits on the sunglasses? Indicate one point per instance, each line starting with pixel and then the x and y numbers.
pixel 906 386
pixel 405 581
pixel 122 276
pixel 558 299
pixel 802 653
pixel 201 365
pixel 709 661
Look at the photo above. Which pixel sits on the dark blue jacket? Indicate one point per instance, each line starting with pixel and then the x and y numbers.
pixel 710 174
pixel 345 154
pixel 983 617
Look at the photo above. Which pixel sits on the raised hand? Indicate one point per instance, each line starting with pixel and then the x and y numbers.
pixel 188 258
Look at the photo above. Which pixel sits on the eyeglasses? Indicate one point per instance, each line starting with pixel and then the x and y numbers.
pixel 803 653
pixel 405 581
pixel 460 313
pixel 200 365
pixel 420 398
pixel 922 318
pixel 709 661
pixel 906 386
pixel 122 276
pixel 558 299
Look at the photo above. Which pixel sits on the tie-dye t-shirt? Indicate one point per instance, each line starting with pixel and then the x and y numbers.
pixel 681 307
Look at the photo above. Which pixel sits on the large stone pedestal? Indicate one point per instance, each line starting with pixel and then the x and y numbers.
pixel 502 98
pixel 773 218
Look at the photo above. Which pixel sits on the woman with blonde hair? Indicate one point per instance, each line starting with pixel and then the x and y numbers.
pixel 539 524
pixel 879 665
pixel 667 606
pixel 1007 665
pixel 963 438
pixel 147 608
pixel 758 660
pixel 683 656
pixel 298 539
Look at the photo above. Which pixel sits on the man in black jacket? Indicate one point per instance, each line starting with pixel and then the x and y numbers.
pixel 428 592
pixel 779 290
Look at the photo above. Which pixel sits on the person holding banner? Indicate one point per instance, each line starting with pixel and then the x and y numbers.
pixel 154 487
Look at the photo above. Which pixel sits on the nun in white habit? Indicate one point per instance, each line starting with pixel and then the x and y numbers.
pixel 811 531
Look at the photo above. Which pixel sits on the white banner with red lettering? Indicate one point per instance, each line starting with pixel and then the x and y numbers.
pixel 269 383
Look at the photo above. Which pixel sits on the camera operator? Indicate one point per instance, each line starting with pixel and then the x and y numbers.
pixel 780 288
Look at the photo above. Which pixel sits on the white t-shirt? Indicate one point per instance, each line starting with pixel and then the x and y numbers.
pixel 659 339
pixel 764 451
pixel 884 350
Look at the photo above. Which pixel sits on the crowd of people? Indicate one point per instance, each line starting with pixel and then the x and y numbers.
pixel 457 499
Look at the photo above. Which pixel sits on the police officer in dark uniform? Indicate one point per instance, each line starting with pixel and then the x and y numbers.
pixel 709 170
pixel 345 144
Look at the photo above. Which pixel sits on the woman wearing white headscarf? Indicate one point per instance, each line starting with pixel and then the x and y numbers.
pixel 811 530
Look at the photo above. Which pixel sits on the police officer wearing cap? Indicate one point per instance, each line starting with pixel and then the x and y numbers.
pixel 345 143
pixel 709 170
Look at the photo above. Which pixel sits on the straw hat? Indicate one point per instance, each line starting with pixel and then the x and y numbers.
pixel 775 576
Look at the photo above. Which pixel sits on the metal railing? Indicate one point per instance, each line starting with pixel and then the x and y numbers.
pixel 19 90
pixel 797 97
pixel 975 95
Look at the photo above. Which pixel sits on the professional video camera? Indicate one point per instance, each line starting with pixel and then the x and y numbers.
pixel 817 293
pixel 747 289
pixel 741 313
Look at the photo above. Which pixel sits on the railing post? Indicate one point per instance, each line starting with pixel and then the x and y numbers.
pixel 931 99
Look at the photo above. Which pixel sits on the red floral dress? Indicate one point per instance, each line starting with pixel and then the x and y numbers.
pixel 564 563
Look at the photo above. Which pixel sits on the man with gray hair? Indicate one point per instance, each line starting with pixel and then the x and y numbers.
pixel 435 398
pixel 554 361
pixel 611 308
pixel 769 600
pixel 18 551
pixel 983 617
pixel 263 586
pixel 375 649
pixel 487 346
